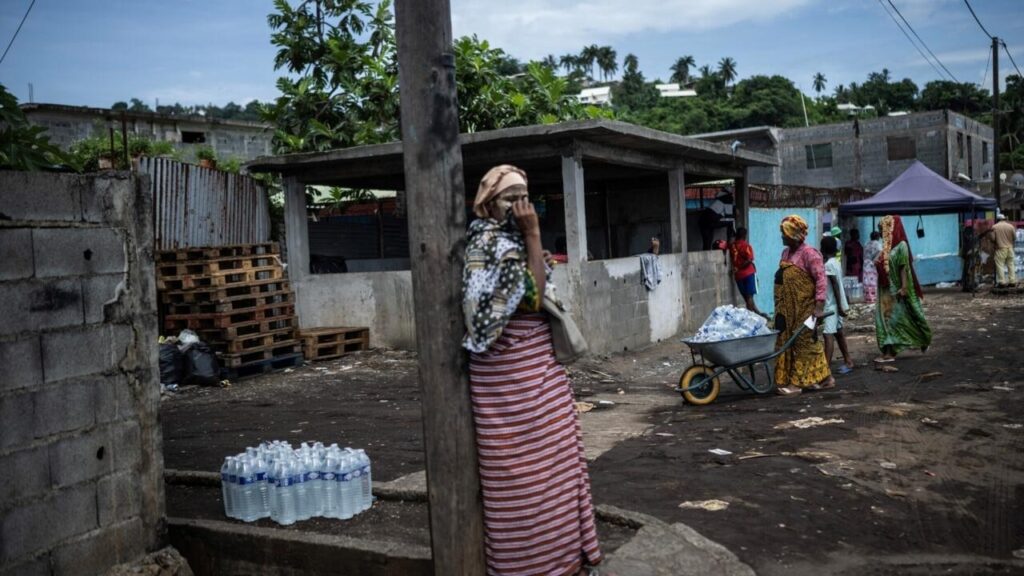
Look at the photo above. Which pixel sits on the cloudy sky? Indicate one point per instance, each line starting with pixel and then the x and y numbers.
pixel 95 52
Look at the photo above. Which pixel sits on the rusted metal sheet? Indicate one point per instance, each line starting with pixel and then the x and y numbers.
pixel 198 206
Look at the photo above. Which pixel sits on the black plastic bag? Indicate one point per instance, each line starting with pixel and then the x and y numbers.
pixel 202 367
pixel 172 364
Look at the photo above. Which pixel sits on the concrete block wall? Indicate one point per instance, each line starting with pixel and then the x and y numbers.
pixel 709 284
pixel 81 484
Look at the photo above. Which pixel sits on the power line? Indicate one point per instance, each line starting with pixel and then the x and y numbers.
pixel 1010 56
pixel 922 42
pixel 909 39
pixel 11 43
pixel 976 19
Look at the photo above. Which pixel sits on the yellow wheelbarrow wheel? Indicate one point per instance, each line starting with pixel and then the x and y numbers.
pixel 697 385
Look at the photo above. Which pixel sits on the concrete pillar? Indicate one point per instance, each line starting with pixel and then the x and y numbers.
pixel 575 209
pixel 677 211
pixel 742 198
pixel 296 228
pixel 575 229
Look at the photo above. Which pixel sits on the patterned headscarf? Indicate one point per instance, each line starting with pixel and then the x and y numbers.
pixel 493 183
pixel 794 227
pixel 892 234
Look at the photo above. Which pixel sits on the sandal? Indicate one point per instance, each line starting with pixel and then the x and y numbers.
pixel 788 391
pixel 831 383
pixel 844 369
pixel 884 359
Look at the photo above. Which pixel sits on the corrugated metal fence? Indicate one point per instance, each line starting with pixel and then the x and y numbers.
pixel 198 206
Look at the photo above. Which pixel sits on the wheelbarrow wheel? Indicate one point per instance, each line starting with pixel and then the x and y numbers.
pixel 697 385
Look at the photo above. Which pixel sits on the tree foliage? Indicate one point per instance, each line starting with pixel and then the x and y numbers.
pixel 23 146
pixel 343 84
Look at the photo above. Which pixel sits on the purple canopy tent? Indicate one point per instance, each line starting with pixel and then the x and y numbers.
pixel 918 190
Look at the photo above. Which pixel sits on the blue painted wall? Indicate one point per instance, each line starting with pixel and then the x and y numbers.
pixel 936 256
pixel 767 242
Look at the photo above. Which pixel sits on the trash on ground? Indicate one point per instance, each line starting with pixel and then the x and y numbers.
pixel 929 422
pixel 810 422
pixel 583 407
pixel 929 376
pixel 886 368
pixel 1003 388
pixel 720 452
pixel 666 434
pixel 888 465
pixel 1013 426
pixel 709 505
pixel 835 468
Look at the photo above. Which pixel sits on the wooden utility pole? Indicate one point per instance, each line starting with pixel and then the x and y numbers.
pixel 996 183
pixel 435 193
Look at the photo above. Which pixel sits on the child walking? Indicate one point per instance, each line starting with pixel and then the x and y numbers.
pixel 835 302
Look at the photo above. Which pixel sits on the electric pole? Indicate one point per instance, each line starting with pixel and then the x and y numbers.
pixel 436 196
pixel 996 183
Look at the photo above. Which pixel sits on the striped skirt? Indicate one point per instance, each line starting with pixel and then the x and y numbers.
pixel 538 515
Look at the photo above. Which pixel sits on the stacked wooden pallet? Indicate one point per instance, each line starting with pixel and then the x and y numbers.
pixel 237 300
pixel 328 343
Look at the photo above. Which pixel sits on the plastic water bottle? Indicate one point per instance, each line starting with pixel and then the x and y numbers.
pixel 226 488
pixel 347 468
pixel 248 490
pixel 286 493
pixel 263 488
pixel 329 486
pixel 301 491
pixel 366 488
pixel 314 485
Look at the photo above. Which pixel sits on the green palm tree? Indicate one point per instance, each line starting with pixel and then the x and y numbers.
pixel 569 62
pixel 588 57
pixel 607 61
pixel 819 82
pixel 681 69
pixel 727 68
pixel 705 71
pixel 550 61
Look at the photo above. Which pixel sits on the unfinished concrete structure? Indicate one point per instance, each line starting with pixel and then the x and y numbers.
pixel 66 125
pixel 81 485
pixel 869 154
pixel 604 189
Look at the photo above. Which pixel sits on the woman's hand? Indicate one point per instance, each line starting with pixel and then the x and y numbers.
pixel 902 292
pixel 819 310
pixel 526 217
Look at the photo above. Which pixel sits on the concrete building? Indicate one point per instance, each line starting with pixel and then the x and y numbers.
pixel 602 188
pixel 67 125
pixel 600 96
pixel 674 91
pixel 868 154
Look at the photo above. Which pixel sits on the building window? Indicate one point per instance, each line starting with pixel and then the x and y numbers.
pixel 193 137
pixel 960 145
pixel 984 152
pixel 901 148
pixel 819 156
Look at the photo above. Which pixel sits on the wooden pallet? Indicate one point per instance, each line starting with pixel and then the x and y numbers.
pixel 276 350
pixel 183 268
pixel 214 252
pixel 220 279
pixel 261 367
pixel 210 321
pixel 220 294
pixel 328 343
pixel 255 342
pixel 230 305
pixel 215 335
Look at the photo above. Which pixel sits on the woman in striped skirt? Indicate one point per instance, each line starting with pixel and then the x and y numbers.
pixel 538 515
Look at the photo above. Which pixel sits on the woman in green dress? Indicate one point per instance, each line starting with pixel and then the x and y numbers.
pixel 899 317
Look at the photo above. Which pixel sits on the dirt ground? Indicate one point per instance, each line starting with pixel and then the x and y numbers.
pixel 919 471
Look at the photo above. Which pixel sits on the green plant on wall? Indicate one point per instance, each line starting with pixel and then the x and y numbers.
pixel 206 153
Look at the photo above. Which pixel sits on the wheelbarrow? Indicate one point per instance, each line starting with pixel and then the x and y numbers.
pixel 700 385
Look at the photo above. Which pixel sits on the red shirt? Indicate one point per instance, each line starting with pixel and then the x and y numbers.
pixel 742 258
